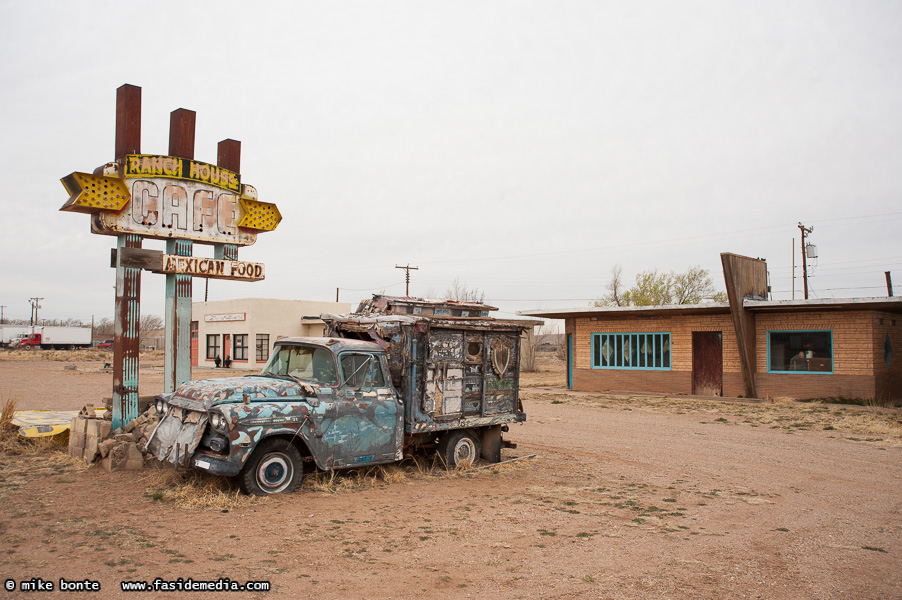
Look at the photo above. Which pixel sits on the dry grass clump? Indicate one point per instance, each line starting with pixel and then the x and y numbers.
pixel 196 489
pixel 411 469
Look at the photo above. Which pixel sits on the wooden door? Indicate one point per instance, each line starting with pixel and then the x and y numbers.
pixel 707 363
pixel 226 346
pixel 194 357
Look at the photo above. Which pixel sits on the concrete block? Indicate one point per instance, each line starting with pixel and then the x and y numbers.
pixel 76 439
pixel 105 447
pixel 91 448
pixel 134 453
pixel 78 425
pixel 98 428
pixel 116 459
pixel 124 437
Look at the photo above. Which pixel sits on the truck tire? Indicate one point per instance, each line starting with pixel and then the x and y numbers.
pixel 274 467
pixel 459 448
pixel 27 347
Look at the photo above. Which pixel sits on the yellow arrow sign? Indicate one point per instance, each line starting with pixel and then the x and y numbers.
pixel 260 216
pixel 94 193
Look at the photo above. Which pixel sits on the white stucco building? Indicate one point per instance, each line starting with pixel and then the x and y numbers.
pixel 245 330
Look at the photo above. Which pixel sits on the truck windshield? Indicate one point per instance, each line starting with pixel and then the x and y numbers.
pixel 312 364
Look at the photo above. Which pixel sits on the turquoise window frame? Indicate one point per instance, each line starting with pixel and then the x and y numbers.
pixel 660 359
pixel 801 331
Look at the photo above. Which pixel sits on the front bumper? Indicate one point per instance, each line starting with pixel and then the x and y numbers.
pixel 215 464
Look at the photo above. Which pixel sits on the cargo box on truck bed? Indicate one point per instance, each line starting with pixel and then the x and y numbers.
pixel 453 372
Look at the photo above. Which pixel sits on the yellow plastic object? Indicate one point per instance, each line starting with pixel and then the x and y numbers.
pixel 44 423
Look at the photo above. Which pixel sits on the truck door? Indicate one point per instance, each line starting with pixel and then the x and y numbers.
pixel 367 413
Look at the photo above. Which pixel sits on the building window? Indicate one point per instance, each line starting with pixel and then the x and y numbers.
pixel 262 347
pixel 799 351
pixel 212 346
pixel 240 352
pixel 646 351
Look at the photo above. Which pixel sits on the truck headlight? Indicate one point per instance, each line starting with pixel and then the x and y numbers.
pixel 161 406
pixel 219 422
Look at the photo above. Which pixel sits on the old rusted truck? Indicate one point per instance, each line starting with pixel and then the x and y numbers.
pixel 398 376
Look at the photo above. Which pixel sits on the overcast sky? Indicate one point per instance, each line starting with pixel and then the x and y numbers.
pixel 523 147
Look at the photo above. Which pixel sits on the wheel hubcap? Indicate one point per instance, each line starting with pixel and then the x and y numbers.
pixel 274 472
pixel 464 452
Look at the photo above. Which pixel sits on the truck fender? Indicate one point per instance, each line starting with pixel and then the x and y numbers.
pixel 298 440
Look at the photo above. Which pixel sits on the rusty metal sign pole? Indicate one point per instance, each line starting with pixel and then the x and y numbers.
pixel 128 280
pixel 126 342
pixel 177 361
pixel 178 321
pixel 228 156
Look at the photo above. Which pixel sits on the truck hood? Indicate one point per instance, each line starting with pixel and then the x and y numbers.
pixel 203 395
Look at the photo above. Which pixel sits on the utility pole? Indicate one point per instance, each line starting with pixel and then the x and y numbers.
pixel 34 310
pixel 408 268
pixel 805 232
pixel 1 314
pixel 889 283
pixel 793 268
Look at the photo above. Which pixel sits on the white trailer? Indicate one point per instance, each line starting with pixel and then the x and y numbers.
pixel 10 332
pixel 49 337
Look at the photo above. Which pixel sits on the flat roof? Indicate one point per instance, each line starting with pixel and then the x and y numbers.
pixel 595 311
pixel 890 304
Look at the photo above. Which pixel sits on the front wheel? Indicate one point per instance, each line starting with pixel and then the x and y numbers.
pixel 274 467
pixel 459 448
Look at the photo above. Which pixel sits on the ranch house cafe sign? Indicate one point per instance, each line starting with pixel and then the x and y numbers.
pixel 166 197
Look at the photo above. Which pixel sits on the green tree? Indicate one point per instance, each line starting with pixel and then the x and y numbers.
pixel 654 288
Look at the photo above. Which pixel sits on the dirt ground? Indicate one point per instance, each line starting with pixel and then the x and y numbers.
pixel 627 497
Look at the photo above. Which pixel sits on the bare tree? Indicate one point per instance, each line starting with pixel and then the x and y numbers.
pixel 614 286
pixel 462 292
pixel 104 328
pixel 694 286
pixel 147 325
pixel 150 323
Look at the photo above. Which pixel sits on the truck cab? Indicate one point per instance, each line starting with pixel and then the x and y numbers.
pixel 27 341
